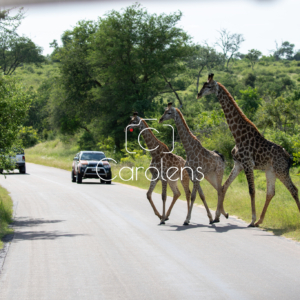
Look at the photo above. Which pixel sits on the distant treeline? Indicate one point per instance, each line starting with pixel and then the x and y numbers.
pixel 131 60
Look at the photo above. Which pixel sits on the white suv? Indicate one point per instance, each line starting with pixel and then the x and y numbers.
pixel 18 161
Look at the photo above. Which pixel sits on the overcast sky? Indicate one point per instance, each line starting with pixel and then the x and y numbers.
pixel 261 22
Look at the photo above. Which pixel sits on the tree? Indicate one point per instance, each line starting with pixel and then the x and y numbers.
pixel 253 57
pixel 14 49
pixel 14 104
pixel 280 113
pixel 250 80
pixel 285 51
pixel 121 64
pixel 8 23
pixel 250 102
pixel 17 50
pixel 297 55
pixel 204 57
pixel 229 43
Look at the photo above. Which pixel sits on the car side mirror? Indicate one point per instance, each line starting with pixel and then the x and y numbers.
pixel 75 158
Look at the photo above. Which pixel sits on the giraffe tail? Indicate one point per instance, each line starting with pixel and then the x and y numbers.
pixel 289 157
pixel 221 155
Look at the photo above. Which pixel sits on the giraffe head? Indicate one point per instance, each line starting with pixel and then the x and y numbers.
pixel 135 122
pixel 168 114
pixel 209 87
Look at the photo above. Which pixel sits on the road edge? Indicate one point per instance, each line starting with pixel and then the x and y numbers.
pixel 8 239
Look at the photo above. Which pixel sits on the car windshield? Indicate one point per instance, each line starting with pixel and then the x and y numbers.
pixel 92 156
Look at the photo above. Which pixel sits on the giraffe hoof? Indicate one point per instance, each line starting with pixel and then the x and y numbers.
pixel 215 221
pixel 167 219
pixel 185 223
pixel 162 223
pixel 256 224
pixel 227 216
pixel 212 222
pixel 251 225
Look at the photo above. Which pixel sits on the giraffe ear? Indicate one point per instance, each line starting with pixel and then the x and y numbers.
pixel 210 77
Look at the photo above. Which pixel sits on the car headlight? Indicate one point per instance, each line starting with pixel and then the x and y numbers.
pixel 106 166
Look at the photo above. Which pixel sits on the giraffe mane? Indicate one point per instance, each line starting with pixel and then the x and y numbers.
pixel 237 107
pixel 185 124
pixel 160 142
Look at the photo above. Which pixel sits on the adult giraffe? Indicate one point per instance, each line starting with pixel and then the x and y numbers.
pixel 199 160
pixel 252 151
pixel 162 168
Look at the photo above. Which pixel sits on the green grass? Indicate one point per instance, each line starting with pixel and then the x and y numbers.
pixel 32 76
pixel 282 217
pixel 5 214
pixel 53 154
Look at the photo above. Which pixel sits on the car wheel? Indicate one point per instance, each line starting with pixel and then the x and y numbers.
pixel 102 181
pixel 79 178
pixel 73 177
pixel 22 170
pixel 108 178
pixel 1 171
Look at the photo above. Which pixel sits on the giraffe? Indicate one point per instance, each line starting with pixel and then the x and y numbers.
pixel 162 168
pixel 252 151
pixel 199 160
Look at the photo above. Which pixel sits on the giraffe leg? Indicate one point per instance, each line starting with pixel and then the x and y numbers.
pixel 201 194
pixel 185 183
pixel 250 178
pixel 193 197
pixel 271 178
pixel 176 195
pixel 216 181
pixel 221 195
pixel 287 181
pixel 149 196
pixel 233 174
pixel 164 198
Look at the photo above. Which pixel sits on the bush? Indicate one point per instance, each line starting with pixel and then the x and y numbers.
pixel 222 141
pixel 86 141
pixel 287 141
pixel 48 135
pixel 28 136
pixel 138 159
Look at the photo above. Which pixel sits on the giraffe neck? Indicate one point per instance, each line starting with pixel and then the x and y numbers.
pixel 151 140
pixel 185 134
pixel 236 119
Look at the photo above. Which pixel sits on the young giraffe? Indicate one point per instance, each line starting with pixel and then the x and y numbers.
pixel 199 161
pixel 252 150
pixel 162 168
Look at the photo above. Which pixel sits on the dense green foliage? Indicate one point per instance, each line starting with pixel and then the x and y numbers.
pixel 14 104
pixel 135 61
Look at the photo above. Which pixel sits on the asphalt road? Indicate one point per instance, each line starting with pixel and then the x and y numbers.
pixel 93 241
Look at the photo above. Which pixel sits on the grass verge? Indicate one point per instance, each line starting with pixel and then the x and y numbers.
pixel 6 211
pixel 282 217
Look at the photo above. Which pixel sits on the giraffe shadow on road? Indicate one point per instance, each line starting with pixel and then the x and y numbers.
pixel 30 222
pixel 15 174
pixel 22 235
pixel 216 228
